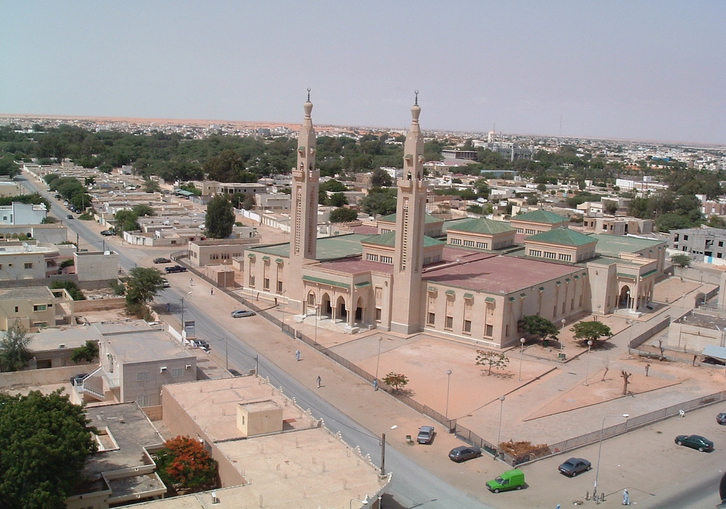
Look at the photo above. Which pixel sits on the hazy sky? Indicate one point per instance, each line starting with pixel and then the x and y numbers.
pixel 653 70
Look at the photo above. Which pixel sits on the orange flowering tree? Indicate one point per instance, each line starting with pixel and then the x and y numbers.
pixel 185 464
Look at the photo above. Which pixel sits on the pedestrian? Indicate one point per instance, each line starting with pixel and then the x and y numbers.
pixel 626 498
pixel 319 381
pixel 647 368
pixel 558 506
pixel 191 281
pixel 375 384
pixel 211 291
pixel 168 307
pixel 297 356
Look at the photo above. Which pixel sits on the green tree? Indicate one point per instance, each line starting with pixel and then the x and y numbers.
pixel 681 260
pixel 71 287
pixel 396 380
pixel 126 221
pixel 151 186
pixel 343 215
pixel 338 200
pixel 381 178
pixel 14 353
pixel 591 331
pixel 143 285
pixel 142 210
pixel 87 352
pixel 716 222
pixel 494 360
pixel 45 441
pixel 382 202
pixel 184 463
pixel 220 217
pixel 538 326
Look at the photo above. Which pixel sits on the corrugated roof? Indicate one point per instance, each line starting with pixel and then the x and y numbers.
pixel 483 226
pixel 541 216
pixel 563 237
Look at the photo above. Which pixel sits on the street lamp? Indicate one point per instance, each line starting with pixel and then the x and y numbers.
pixel 521 357
pixel 183 329
pixel 599 450
pixel 499 432
pixel 587 372
pixel 562 343
pixel 316 323
pixel 282 324
pixel 448 386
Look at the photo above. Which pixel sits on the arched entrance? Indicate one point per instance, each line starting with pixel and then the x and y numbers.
pixel 624 298
pixel 341 312
pixel 326 309
pixel 359 310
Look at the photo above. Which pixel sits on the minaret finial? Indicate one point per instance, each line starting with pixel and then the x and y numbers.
pixel 416 100
pixel 308 94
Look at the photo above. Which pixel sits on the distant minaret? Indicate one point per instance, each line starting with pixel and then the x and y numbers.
pixel 304 227
pixel 410 222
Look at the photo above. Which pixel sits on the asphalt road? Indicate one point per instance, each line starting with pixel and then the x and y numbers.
pixel 411 486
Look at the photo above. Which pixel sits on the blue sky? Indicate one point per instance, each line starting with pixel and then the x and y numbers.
pixel 650 70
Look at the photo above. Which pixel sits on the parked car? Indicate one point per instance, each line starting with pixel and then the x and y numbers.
pixel 425 435
pixel 574 466
pixel 175 268
pixel 200 343
pixel 464 452
pixel 721 419
pixel 107 233
pixel 162 260
pixel 241 313
pixel 509 480
pixel 78 379
pixel 165 283
pixel 695 442
pixel 234 372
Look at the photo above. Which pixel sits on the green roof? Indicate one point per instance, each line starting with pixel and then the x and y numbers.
pixel 563 237
pixel 541 216
pixel 389 239
pixel 328 282
pixel 489 299
pixel 483 225
pixel 428 218
pixel 613 245
pixel 328 248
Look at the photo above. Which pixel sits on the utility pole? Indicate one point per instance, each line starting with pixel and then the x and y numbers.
pixel 226 355
pixel 383 454
pixel 77 242
pixel 257 365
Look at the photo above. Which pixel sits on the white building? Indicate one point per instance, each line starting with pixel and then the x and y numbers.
pixel 22 213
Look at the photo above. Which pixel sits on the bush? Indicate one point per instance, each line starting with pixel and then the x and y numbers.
pixel 71 287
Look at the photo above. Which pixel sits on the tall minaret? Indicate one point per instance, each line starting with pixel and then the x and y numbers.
pixel 305 186
pixel 410 222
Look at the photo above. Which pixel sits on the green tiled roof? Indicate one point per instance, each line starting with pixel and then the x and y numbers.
pixel 649 273
pixel 563 237
pixel 468 295
pixel 450 292
pixel 363 284
pixel 389 240
pixel 483 225
pixel 428 218
pixel 541 216
pixel 627 276
pixel 489 299
pixel 328 282
pixel 328 248
pixel 613 245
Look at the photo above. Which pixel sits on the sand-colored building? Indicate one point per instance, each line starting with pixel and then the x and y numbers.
pixel 35 307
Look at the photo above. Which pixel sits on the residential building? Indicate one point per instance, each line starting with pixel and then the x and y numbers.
pixel 27 260
pixel 22 213
pixel 35 307
pixel 702 244
pixel 218 251
pixel 96 265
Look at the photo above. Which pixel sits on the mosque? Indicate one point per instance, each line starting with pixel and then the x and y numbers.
pixel 470 279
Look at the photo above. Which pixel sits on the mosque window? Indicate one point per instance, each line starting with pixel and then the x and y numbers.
pixel 431 319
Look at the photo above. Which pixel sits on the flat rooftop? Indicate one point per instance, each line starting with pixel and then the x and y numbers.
pixel 142 345
pixel 71 337
pixel 213 404
pixel 491 273
pixel 27 293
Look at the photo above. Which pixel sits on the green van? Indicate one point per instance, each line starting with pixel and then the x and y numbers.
pixel 509 480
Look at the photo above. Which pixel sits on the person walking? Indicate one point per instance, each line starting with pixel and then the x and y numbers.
pixel 626 498
pixel 191 281
pixel 319 381
pixel 168 307
pixel 211 291
pixel 297 356
pixel 375 384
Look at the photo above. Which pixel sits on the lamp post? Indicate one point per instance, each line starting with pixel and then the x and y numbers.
pixel 587 372
pixel 521 357
pixel 448 386
pixel 599 451
pixel 562 344
pixel 316 323
pixel 282 324
pixel 183 329
pixel 378 359
pixel 499 431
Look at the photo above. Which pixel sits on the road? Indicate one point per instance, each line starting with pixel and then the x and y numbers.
pixel 412 485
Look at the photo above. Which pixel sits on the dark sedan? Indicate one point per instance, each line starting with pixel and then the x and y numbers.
pixel 695 442
pixel 721 419
pixel 574 466
pixel 464 452
pixel 175 268
pixel 162 260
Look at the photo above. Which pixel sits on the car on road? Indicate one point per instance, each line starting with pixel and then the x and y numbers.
pixel 69 216
pixel 464 452
pixel 175 268
pixel 165 283
pixel 162 260
pixel 721 419
pixel 425 434
pixel 107 233
pixel 234 372
pixel 200 343
pixel 78 379
pixel 574 466
pixel 703 444
pixel 241 313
